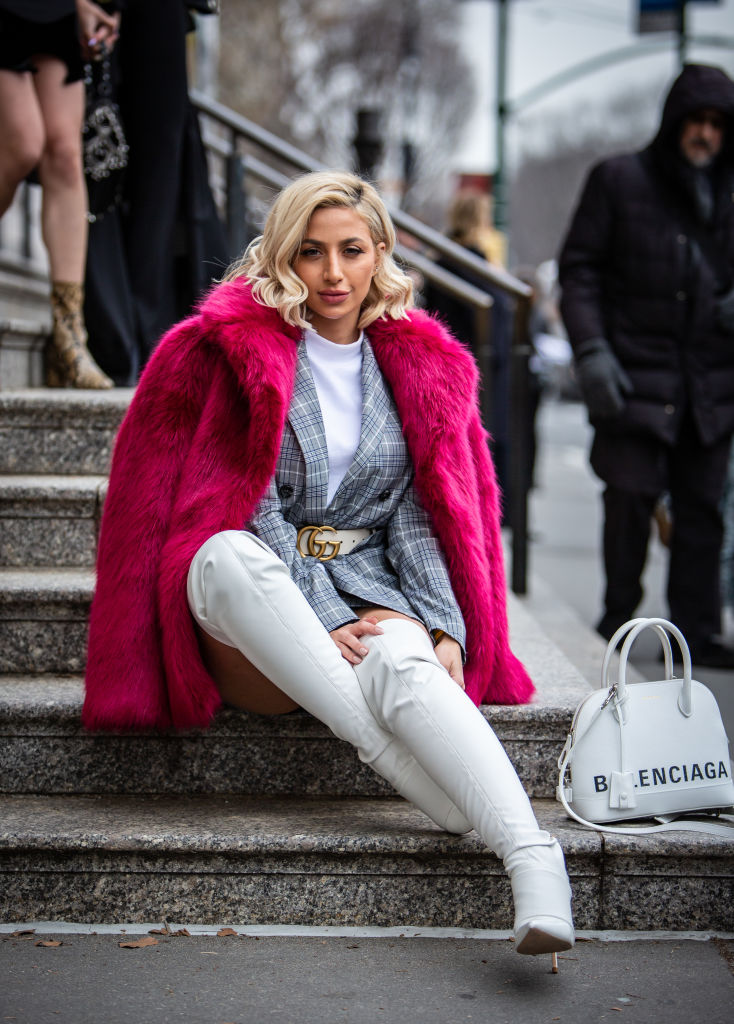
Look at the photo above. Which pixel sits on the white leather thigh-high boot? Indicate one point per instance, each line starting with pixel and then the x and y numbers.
pixel 241 593
pixel 413 697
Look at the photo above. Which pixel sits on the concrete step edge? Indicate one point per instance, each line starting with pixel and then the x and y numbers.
pixel 57 699
pixel 49 486
pixel 70 586
pixel 21 328
pixel 51 402
pixel 377 862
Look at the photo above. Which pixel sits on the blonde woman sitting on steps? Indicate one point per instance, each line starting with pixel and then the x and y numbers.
pixel 303 513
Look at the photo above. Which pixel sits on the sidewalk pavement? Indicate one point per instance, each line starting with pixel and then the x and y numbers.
pixel 357 979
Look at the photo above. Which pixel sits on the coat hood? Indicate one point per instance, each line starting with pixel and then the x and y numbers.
pixel 697 87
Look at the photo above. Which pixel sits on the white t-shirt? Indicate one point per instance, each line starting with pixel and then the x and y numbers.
pixel 337 376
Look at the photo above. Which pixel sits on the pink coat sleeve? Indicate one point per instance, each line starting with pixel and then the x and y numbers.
pixel 124 631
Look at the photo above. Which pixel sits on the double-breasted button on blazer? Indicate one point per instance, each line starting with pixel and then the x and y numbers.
pixel 401 565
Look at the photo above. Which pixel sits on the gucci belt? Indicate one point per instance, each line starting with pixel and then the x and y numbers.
pixel 324 542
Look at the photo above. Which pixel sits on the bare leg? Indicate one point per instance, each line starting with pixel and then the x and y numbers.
pixel 64 211
pixel 380 614
pixel 21 131
pixel 64 226
pixel 239 682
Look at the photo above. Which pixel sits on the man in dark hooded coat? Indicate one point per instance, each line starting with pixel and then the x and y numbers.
pixel 647 273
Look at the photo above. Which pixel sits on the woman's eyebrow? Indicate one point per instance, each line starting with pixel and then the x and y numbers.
pixel 343 241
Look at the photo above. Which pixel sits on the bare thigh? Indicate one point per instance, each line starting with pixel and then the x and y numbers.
pixel 21 129
pixel 239 682
pixel 380 614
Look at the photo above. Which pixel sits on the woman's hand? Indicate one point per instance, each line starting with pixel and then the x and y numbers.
pixel 97 28
pixel 448 652
pixel 349 639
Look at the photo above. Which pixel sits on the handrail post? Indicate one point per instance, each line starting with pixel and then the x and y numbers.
pixel 483 356
pixel 519 444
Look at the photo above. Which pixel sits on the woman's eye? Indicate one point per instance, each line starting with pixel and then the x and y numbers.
pixel 354 250
pixel 310 252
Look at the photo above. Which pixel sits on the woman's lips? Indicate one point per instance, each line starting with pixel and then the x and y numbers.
pixel 332 298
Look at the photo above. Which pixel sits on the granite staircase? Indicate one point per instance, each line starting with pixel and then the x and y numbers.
pixel 257 820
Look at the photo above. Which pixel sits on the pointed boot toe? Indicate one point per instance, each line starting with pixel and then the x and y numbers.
pixel 544 935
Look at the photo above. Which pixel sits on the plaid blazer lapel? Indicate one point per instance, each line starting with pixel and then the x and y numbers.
pixel 375 410
pixel 304 416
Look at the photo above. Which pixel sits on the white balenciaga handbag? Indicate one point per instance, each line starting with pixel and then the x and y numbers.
pixel 647 750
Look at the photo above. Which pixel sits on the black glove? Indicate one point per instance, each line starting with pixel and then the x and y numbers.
pixel 603 382
pixel 724 311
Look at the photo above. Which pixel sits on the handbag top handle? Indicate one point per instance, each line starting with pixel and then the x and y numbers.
pixel 606 682
pixel 685 700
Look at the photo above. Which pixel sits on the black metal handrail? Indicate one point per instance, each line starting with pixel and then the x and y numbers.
pixel 242 128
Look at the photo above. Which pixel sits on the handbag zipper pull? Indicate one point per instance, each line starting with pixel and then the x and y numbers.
pixel 610 696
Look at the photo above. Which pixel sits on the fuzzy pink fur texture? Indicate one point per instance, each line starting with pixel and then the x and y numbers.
pixel 195 453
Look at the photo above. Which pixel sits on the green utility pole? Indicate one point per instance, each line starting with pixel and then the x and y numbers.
pixel 682 32
pixel 499 190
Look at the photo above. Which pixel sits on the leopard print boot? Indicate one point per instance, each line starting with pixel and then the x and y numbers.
pixel 68 362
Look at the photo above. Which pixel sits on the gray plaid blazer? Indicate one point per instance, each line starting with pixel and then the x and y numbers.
pixel 400 566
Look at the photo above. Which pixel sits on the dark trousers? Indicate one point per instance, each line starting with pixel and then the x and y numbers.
pixel 637 470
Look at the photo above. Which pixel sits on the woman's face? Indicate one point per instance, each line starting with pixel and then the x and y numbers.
pixel 336 262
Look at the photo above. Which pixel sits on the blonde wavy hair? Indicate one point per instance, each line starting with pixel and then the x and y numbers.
pixel 268 261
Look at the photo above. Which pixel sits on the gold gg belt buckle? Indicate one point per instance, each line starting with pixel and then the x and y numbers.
pixel 316 546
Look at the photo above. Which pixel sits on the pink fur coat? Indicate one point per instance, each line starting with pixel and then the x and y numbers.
pixel 196 451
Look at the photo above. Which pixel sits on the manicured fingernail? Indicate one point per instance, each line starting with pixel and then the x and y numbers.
pixel 363 650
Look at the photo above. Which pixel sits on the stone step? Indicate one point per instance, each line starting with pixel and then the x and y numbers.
pixel 22 343
pixel 59 431
pixel 378 862
pixel 43 619
pixel 50 520
pixel 24 291
pixel 45 750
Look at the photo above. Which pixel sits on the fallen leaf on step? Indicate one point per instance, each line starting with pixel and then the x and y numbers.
pixel 24 933
pixel 48 942
pixel 226 931
pixel 139 944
